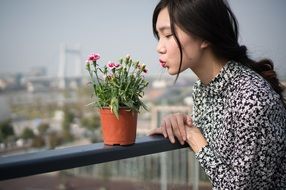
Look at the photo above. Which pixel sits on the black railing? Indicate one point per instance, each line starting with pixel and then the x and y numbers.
pixel 71 157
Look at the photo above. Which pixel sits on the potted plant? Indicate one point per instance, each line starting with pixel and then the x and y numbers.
pixel 118 88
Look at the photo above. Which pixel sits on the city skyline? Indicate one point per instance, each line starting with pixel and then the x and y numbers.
pixel 32 31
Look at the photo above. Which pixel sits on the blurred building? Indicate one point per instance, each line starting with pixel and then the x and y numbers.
pixel 38 71
pixel 4 109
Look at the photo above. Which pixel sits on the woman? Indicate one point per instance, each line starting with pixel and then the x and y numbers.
pixel 238 126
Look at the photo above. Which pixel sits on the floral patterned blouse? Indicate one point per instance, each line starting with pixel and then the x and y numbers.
pixel 244 122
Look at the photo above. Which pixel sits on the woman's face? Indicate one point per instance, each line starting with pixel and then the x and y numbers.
pixel 169 53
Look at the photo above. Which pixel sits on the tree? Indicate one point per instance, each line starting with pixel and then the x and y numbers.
pixel 69 116
pixel 91 122
pixel 27 134
pixel 38 142
pixel 6 130
pixel 68 119
pixel 54 140
pixel 43 128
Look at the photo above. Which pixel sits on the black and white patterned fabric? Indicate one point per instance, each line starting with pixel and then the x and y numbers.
pixel 244 122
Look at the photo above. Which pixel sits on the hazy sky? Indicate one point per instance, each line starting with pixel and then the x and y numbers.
pixel 32 30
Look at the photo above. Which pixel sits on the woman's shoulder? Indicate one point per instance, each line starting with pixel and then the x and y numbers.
pixel 248 85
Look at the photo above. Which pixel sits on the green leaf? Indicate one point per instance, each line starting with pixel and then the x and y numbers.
pixel 143 105
pixel 114 106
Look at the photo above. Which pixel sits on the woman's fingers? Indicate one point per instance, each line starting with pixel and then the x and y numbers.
pixel 177 128
pixel 169 129
pixel 174 125
pixel 189 121
pixel 182 126
pixel 156 131
pixel 164 131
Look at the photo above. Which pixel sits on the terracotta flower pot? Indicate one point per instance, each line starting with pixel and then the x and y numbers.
pixel 120 131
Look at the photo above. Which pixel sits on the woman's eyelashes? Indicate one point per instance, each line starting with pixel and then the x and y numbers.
pixel 168 36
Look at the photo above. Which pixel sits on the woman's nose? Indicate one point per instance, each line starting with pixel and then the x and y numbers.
pixel 160 48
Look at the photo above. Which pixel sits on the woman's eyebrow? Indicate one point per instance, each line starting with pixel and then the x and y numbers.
pixel 163 28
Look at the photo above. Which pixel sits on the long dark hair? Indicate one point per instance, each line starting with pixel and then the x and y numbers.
pixel 213 21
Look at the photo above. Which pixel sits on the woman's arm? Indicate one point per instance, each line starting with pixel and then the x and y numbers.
pixel 258 145
pixel 259 141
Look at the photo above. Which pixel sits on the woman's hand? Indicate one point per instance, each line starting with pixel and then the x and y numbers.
pixel 181 126
pixel 173 125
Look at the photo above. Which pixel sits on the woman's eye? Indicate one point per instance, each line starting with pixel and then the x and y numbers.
pixel 168 36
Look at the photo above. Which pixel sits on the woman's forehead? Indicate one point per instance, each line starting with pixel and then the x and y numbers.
pixel 163 20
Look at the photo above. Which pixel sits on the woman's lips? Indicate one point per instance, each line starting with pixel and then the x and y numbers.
pixel 163 63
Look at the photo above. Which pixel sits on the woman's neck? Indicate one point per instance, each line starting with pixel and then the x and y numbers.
pixel 208 68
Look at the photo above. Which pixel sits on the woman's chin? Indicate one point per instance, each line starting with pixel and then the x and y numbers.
pixel 172 72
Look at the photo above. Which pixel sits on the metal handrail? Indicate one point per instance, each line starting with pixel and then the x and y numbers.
pixel 66 158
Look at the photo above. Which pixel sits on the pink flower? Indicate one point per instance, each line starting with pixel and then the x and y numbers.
pixel 112 65
pixel 93 57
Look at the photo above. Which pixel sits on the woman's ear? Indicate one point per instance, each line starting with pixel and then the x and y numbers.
pixel 204 44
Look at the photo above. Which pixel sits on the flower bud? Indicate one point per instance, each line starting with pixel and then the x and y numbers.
pixel 87 65
pixel 127 56
pixel 137 64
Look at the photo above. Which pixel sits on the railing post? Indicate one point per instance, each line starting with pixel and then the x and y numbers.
pixel 194 172
pixel 163 160
pixel 163 156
